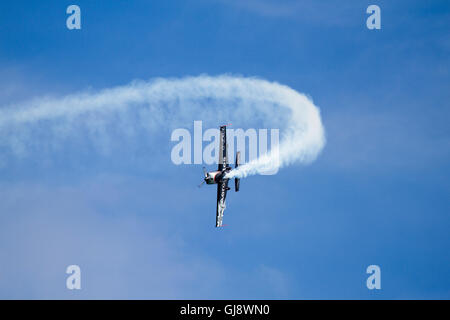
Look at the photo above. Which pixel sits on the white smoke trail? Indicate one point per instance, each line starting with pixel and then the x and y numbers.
pixel 303 136
pixel 170 103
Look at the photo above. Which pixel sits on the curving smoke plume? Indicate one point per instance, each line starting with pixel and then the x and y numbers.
pixel 146 106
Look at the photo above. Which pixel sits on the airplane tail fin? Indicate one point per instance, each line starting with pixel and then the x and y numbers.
pixel 237 181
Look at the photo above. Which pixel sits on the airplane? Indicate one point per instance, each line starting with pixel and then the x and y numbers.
pixel 219 177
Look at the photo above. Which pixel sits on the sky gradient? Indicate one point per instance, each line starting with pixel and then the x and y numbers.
pixel 138 226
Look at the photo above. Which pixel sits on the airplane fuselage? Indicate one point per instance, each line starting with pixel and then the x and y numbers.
pixel 215 177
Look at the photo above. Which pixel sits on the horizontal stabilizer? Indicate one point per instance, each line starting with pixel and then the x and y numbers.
pixel 237 181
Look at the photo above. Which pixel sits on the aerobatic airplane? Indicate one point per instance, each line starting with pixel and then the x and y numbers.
pixel 219 177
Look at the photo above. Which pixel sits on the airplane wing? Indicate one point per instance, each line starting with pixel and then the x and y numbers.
pixel 222 188
pixel 223 157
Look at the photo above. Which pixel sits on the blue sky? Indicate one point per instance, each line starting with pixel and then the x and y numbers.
pixel 138 226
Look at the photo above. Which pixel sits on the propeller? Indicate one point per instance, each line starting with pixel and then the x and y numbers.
pixel 206 175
